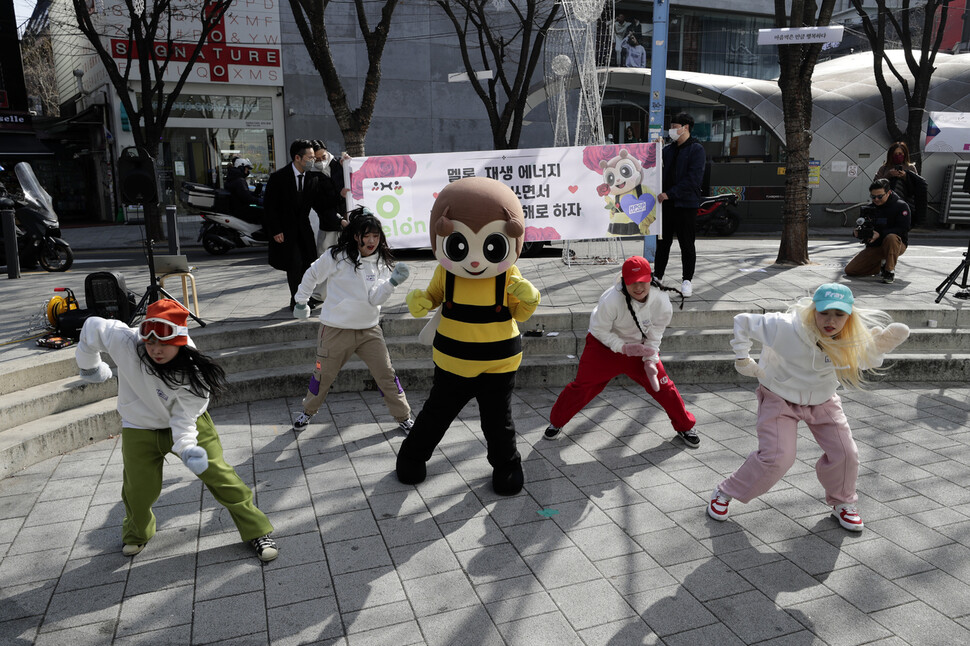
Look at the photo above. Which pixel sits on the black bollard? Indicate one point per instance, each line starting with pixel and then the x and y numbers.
pixel 10 237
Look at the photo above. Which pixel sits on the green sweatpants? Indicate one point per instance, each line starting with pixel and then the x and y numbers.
pixel 144 450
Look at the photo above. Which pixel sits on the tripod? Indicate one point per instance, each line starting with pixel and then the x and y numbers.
pixel 154 290
pixel 964 266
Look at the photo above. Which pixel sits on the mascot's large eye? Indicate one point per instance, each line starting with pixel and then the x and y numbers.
pixel 609 178
pixel 456 247
pixel 496 248
pixel 626 171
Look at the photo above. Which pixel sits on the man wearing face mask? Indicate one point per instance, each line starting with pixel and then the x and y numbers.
pixel 327 222
pixel 290 194
pixel 683 173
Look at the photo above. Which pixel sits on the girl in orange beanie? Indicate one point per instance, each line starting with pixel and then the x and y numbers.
pixel 164 385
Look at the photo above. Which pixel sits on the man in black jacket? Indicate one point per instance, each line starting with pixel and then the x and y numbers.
pixel 290 194
pixel 891 221
pixel 683 173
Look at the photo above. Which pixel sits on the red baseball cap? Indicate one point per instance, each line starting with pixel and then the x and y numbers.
pixel 636 269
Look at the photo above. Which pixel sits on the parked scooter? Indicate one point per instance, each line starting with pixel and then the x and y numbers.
pixel 717 215
pixel 222 230
pixel 38 229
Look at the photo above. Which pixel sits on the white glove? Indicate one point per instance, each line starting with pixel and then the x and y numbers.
pixel 749 368
pixel 96 375
pixel 889 337
pixel 301 311
pixel 650 368
pixel 196 459
pixel 400 274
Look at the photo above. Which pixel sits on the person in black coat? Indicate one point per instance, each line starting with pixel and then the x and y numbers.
pixel 683 173
pixel 240 197
pixel 290 194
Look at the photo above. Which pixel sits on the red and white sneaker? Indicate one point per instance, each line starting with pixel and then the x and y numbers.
pixel 718 509
pixel 848 517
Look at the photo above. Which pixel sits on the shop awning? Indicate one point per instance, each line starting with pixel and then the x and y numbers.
pixel 22 144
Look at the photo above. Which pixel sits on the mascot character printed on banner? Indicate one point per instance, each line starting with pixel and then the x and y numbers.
pixel 632 207
pixel 477 228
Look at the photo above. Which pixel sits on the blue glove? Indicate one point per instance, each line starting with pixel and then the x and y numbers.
pixel 96 375
pixel 196 459
pixel 301 311
pixel 400 274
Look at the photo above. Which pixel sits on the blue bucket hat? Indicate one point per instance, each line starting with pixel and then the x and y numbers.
pixel 832 296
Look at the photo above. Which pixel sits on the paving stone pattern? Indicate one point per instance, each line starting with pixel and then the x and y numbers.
pixel 622 553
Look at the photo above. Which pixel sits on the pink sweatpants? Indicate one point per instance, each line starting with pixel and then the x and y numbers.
pixel 778 418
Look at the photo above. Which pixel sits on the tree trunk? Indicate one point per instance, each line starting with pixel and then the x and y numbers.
pixel 797 105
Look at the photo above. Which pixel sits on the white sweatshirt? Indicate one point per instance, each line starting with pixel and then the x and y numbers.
pixel 354 298
pixel 613 326
pixel 797 370
pixel 144 401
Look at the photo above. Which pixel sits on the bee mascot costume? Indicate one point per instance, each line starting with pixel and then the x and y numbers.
pixel 477 231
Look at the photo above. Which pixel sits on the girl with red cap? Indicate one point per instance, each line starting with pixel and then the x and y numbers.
pixel 164 385
pixel 625 329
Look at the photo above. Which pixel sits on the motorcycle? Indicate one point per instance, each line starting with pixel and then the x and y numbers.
pixel 222 231
pixel 716 215
pixel 38 229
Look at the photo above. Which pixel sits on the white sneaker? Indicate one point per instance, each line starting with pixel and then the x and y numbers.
pixel 848 517
pixel 686 288
pixel 406 426
pixel 718 509
pixel 302 421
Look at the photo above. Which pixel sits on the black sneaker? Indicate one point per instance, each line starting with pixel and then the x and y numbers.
pixel 690 438
pixel 265 547
pixel 406 426
pixel 552 432
pixel 888 277
pixel 302 421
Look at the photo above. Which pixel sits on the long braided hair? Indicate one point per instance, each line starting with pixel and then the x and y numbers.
pixel 656 283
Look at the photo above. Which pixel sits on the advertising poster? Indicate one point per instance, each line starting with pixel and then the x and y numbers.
pixel 948 132
pixel 573 193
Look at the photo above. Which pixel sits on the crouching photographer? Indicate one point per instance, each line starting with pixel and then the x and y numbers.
pixel 884 230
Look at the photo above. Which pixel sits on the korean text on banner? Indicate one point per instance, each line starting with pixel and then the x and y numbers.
pixel 573 193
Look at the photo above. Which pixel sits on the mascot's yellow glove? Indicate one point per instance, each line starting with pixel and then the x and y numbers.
pixel 418 303
pixel 523 290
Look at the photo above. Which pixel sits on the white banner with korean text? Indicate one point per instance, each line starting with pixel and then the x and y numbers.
pixel 573 193
pixel 947 132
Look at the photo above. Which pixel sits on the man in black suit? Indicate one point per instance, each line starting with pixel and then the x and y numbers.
pixel 290 194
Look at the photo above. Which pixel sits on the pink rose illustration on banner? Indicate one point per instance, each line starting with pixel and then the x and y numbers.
pixel 646 154
pixel 396 166
pixel 537 234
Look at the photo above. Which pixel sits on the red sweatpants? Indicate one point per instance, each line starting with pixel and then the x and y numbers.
pixel 597 367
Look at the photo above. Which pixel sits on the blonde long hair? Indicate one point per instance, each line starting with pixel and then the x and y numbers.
pixel 853 350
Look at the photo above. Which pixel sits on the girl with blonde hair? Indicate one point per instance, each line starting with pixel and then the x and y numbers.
pixel 807 352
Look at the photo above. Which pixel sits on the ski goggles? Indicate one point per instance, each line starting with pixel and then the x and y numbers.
pixel 162 329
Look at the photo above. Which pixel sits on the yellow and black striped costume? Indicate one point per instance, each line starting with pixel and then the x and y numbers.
pixel 477 333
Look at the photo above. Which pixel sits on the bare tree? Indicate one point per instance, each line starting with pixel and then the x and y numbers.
pixel 309 16
pixel 38 57
pixel 797 64
pixel 148 44
pixel 921 37
pixel 510 48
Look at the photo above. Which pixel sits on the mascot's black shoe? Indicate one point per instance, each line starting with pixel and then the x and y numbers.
pixel 508 480
pixel 411 471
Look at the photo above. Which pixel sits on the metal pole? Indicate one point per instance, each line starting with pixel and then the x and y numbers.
pixel 173 230
pixel 10 237
pixel 658 96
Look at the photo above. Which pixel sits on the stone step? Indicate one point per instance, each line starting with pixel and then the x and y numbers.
pixel 690 347
pixel 62 423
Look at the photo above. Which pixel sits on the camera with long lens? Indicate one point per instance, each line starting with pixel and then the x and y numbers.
pixel 864 225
